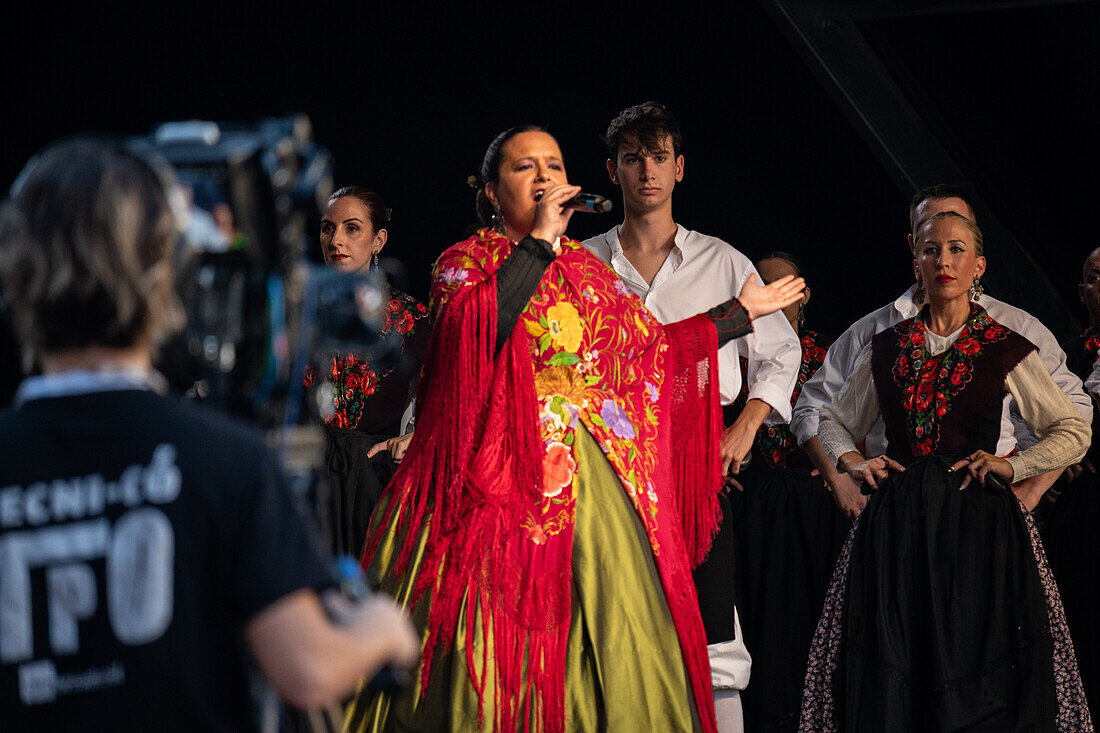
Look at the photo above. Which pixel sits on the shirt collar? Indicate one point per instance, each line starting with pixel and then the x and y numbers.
pixel 675 257
pixel 907 307
pixel 84 381
pixel 905 304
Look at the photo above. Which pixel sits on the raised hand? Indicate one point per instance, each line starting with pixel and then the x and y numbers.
pixel 760 301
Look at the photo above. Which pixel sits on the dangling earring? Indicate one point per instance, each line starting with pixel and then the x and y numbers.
pixel 801 315
pixel 497 220
pixel 918 294
pixel 374 262
pixel 976 289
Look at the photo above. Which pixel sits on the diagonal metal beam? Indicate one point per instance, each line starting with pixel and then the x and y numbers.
pixel 829 40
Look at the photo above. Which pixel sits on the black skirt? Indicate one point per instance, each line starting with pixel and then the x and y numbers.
pixel 788 532
pixel 942 616
pixel 354 484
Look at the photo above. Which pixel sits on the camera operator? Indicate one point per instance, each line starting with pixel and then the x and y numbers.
pixel 146 547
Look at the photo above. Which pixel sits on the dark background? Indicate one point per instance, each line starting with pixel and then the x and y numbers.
pixel 407 97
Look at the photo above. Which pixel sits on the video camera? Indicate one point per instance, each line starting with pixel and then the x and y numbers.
pixel 251 197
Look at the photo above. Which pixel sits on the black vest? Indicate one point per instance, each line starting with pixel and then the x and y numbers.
pixel 947 404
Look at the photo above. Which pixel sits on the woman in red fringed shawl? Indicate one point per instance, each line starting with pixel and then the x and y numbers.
pixel 542 529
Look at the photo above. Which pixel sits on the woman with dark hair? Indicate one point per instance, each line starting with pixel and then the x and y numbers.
pixel 787 534
pixel 369 399
pixel 542 521
pixel 943 614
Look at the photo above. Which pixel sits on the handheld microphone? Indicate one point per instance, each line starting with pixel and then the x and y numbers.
pixel 589 202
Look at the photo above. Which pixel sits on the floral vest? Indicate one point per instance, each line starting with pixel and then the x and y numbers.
pixel 947 404
pixel 372 400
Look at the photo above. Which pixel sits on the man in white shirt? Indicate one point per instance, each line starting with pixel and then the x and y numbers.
pixel 839 363
pixel 678 273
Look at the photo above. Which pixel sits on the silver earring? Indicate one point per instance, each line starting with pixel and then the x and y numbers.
pixel 918 294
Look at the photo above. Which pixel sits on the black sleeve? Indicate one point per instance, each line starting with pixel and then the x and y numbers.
pixel 731 319
pixel 517 278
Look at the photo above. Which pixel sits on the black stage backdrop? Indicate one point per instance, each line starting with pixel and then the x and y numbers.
pixel 406 97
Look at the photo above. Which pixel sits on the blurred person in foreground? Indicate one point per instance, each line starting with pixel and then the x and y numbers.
pixel 147 549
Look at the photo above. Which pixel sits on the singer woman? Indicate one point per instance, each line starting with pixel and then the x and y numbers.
pixel 943 614
pixel 561 482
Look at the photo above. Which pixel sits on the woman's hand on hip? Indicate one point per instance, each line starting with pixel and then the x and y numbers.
pixel 872 471
pixel 978 464
pixel 396 446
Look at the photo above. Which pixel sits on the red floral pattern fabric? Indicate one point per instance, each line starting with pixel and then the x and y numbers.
pixel 602 384
pixel 930 384
pixel 1092 341
pixel 354 380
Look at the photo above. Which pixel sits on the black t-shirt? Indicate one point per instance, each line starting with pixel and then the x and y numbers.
pixel 137 536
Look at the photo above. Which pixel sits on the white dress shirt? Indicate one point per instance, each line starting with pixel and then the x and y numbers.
pixel 699 273
pixel 1092 384
pixel 840 363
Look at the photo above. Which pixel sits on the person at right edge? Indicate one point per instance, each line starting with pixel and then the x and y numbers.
pixel 943 614
pixel 1069 524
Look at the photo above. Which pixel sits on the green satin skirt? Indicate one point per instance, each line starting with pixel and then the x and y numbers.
pixel 624 668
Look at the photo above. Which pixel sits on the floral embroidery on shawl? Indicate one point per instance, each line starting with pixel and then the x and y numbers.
pixel 929 383
pixel 492 465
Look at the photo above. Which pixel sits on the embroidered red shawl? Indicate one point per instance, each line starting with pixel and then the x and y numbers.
pixel 491 467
